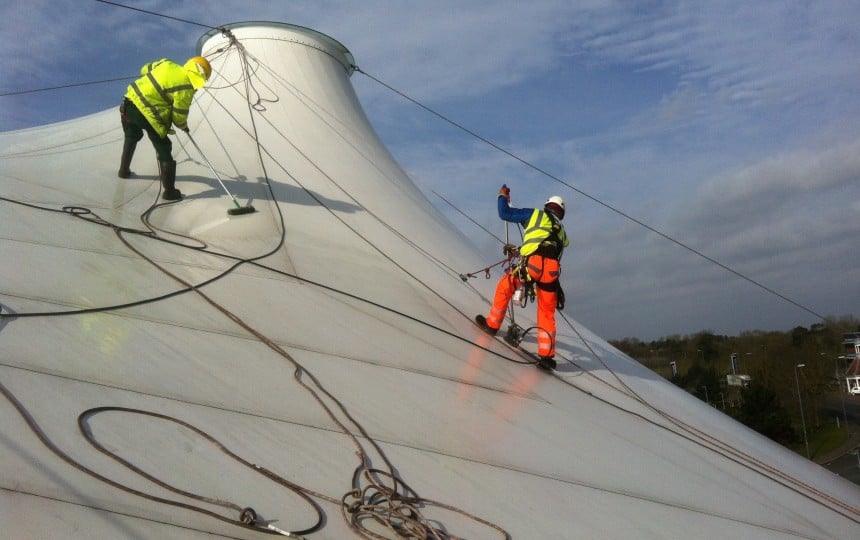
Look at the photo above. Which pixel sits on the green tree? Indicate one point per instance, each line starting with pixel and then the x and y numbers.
pixel 762 411
pixel 707 345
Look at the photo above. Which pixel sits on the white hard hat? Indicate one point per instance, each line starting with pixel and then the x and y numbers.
pixel 555 199
pixel 555 205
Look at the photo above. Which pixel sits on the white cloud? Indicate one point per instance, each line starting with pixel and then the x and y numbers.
pixel 734 144
pixel 788 223
pixel 776 183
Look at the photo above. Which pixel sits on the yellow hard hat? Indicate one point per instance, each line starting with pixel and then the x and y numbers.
pixel 199 70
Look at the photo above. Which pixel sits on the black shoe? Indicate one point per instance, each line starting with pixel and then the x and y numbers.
pixel 482 322
pixel 547 362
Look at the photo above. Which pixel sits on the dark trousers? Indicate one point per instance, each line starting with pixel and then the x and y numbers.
pixel 134 124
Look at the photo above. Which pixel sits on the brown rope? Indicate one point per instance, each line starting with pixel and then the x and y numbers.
pixel 381 509
pixel 34 427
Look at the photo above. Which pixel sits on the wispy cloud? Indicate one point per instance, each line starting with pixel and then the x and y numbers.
pixel 731 126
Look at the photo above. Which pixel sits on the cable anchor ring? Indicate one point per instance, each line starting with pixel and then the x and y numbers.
pixel 248 517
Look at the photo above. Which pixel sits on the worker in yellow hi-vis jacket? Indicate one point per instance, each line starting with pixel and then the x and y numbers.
pixel 158 100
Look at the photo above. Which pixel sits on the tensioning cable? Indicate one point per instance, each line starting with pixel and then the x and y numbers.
pixel 597 200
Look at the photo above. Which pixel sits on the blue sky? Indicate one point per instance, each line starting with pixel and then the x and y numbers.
pixel 733 127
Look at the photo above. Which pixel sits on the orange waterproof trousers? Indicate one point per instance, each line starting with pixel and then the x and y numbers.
pixel 545 272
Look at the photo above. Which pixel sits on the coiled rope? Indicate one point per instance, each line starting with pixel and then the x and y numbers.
pixel 385 504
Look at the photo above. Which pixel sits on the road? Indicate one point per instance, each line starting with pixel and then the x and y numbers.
pixel 847 465
pixel 833 407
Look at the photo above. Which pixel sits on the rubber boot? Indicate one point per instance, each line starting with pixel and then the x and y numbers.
pixel 167 170
pixel 547 362
pixel 125 161
pixel 482 323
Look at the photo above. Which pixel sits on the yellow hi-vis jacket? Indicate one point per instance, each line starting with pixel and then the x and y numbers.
pixel 539 234
pixel 163 94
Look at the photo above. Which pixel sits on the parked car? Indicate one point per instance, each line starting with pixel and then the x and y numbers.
pixel 854 391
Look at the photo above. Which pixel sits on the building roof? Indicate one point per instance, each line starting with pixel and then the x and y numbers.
pixel 296 359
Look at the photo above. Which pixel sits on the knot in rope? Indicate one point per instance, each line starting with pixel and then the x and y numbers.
pixel 227 33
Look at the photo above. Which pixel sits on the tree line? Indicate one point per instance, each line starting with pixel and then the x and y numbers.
pixel 769 402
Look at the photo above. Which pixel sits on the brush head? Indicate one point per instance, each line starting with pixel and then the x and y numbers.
pixel 241 210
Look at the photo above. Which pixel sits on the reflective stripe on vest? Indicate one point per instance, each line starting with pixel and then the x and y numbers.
pixel 537 230
pixel 158 99
pixel 157 87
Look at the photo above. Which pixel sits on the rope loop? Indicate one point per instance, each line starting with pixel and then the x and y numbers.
pixel 77 210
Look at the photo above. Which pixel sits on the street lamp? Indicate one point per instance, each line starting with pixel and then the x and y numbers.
pixel 800 401
pixel 845 357
pixel 841 397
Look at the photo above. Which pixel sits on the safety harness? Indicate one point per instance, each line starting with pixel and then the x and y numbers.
pixel 543 240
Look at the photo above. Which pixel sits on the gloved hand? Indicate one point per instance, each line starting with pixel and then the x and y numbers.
pixel 505 192
pixel 171 131
pixel 510 249
pixel 185 129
